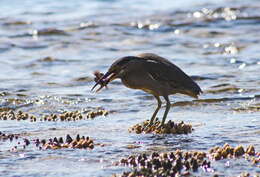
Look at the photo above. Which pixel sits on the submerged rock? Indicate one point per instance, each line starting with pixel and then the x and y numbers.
pixel 248 108
pixel 49 31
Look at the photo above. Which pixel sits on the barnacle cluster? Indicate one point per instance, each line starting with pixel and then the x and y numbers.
pixel 100 112
pixel 80 142
pixel 227 151
pixel 182 163
pixel 165 164
pixel 66 116
pixel 12 115
pixel 4 136
pixel 75 115
pixel 169 128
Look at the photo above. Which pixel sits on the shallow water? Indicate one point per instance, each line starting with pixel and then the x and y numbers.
pixel 216 42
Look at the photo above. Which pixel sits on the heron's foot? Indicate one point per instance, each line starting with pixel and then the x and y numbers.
pixel 161 126
pixel 148 126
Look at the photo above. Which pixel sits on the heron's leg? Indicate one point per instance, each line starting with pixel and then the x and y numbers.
pixel 157 109
pixel 168 105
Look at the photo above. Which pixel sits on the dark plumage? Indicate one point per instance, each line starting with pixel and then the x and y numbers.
pixel 152 74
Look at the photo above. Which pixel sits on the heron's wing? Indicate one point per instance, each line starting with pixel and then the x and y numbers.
pixel 164 72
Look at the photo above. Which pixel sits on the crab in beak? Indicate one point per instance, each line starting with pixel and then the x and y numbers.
pixel 102 79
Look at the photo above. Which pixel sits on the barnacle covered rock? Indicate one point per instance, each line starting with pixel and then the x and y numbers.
pixel 227 151
pixel 75 115
pixel 80 142
pixel 5 136
pixel 169 128
pixel 66 116
pixel 182 163
pixel 250 150
pixel 100 112
pixel 165 164
pixel 12 115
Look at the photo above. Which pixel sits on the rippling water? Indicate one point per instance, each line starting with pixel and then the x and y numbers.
pixel 49 50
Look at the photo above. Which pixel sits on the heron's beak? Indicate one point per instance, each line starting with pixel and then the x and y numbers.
pixel 104 80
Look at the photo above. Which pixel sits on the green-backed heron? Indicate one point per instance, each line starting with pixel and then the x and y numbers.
pixel 152 74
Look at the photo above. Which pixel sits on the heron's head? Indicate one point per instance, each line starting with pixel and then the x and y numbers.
pixel 116 70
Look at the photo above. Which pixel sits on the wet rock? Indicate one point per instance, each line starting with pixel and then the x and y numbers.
pixel 17 22
pixel 49 31
pixel 248 108
pixel 169 128
pixel 225 89
pixel 83 79
pixel 47 59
